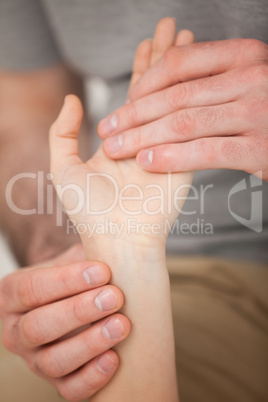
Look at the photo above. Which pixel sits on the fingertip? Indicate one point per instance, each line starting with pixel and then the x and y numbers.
pixel 107 125
pixel 145 159
pixel 119 295
pixel 125 324
pixel 144 47
pixel 71 113
pixel 112 146
pixel 106 271
pixel 107 363
pixel 184 37
pixel 166 23
pixel 95 273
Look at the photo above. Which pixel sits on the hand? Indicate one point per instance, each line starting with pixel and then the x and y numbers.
pixel 202 106
pixel 68 169
pixel 47 311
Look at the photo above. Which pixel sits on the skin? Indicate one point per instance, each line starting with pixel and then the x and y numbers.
pixel 33 315
pixel 202 106
pixel 136 259
pixel 39 245
pixel 24 295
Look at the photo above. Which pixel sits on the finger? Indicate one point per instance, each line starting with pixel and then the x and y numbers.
pixel 150 50
pixel 48 323
pixel 62 358
pixel 181 126
pixel 141 61
pixel 184 37
pixel 206 153
pixel 185 63
pixel 89 379
pixel 164 37
pixel 202 92
pixel 147 54
pixel 30 288
pixel 63 137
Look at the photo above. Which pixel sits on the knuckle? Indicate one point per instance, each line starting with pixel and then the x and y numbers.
pixel 8 341
pixel 210 115
pixel 48 364
pixel 207 150
pixel 259 144
pixel 68 392
pixel 33 365
pixel 10 335
pixel 80 309
pixel 27 292
pixel 260 73
pixel 138 139
pixel 182 124
pixel 31 330
pixel 170 58
pixel 132 113
pixel 233 151
pixel 4 293
pixel 255 47
pixel 178 96
pixel 65 391
pixel 255 110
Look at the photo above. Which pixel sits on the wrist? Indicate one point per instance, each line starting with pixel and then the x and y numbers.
pixel 127 252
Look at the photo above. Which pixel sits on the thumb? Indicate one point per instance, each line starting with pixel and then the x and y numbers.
pixel 63 137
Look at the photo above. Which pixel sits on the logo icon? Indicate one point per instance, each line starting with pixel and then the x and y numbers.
pixel 255 221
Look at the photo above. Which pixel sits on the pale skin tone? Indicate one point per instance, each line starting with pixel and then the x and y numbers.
pixel 202 106
pixel 39 244
pixel 137 260
pixel 25 294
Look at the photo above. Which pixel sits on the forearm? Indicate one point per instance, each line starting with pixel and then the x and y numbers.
pixel 147 358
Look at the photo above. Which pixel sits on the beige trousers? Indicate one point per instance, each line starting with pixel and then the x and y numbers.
pixel 221 331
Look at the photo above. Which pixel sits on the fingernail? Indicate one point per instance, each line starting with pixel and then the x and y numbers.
pixel 105 363
pixel 113 144
pixel 109 124
pixel 113 329
pixel 106 300
pixel 145 158
pixel 94 275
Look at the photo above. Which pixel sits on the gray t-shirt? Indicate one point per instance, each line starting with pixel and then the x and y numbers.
pixel 226 214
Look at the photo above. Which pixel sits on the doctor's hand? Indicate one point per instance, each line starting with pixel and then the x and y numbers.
pixel 201 106
pixel 57 316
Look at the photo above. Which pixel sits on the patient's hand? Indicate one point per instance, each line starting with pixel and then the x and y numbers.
pixel 115 180
pixel 153 198
pixel 136 255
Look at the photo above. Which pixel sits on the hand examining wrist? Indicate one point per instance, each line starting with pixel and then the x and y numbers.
pixel 202 106
pixel 56 301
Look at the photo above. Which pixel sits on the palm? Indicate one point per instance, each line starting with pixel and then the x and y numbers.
pixel 101 191
pixel 100 175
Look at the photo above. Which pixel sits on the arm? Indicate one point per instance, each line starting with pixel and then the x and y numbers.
pixel 147 358
pixel 136 256
pixel 147 363
pixel 29 103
